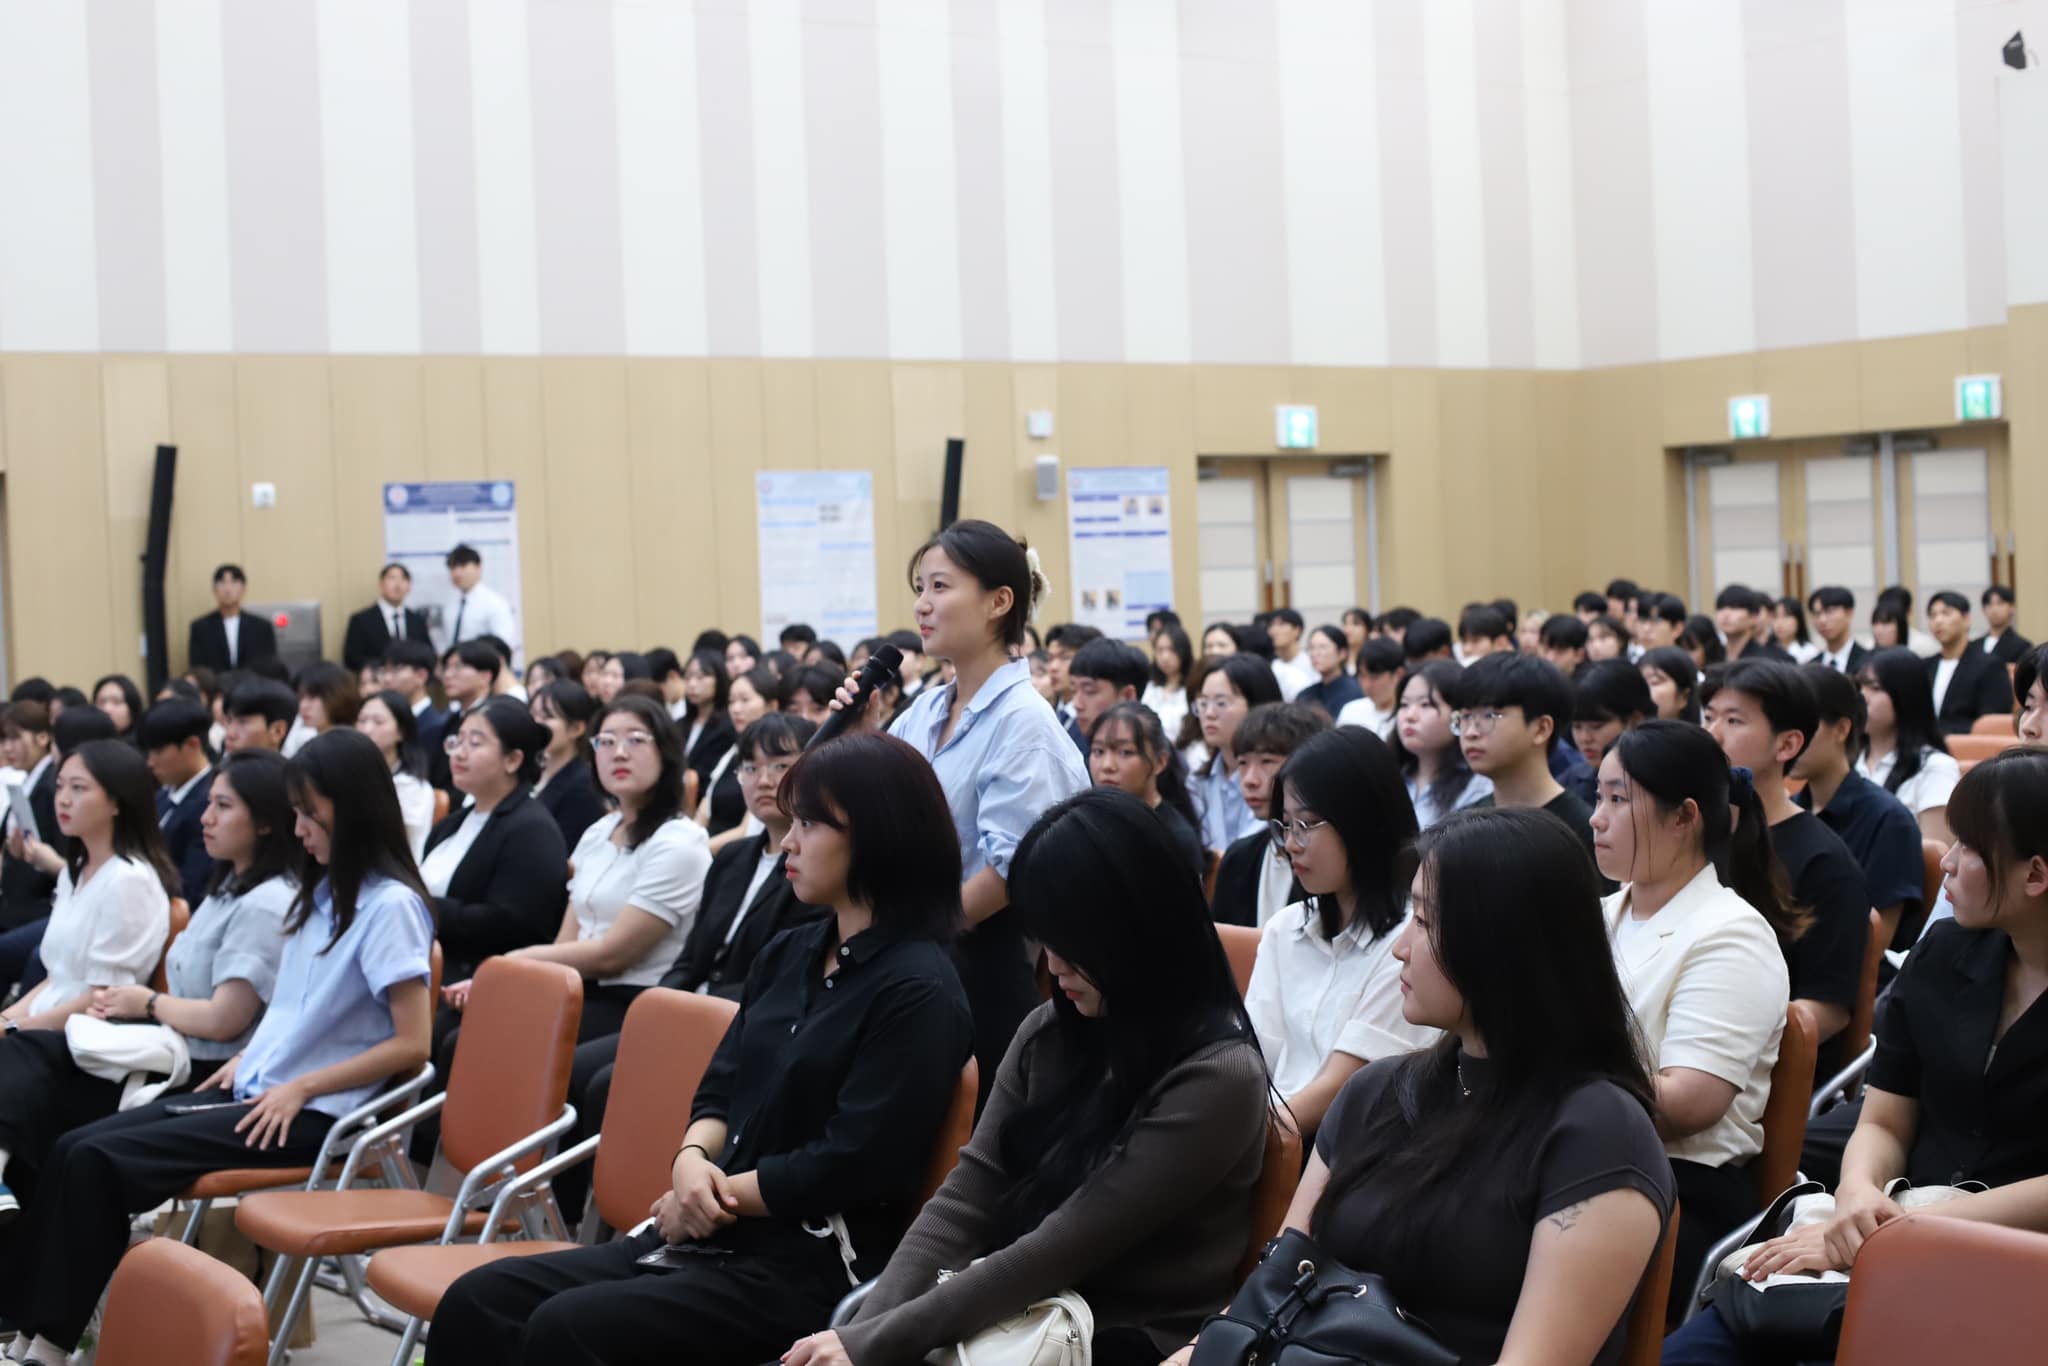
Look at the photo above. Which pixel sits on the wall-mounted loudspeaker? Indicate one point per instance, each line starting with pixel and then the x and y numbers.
pixel 1048 478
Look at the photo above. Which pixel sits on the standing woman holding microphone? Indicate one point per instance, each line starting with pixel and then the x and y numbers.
pixel 998 749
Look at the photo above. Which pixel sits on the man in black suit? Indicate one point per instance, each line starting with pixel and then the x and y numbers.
pixel 373 629
pixel 1739 613
pixel 1968 683
pixel 173 740
pixel 408 669
pixel 1832 609
pixel 2001 642
pixel 229 638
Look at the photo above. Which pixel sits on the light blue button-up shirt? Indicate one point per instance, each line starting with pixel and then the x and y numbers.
pixel 1226 816
pixel 329 1006
pixel 1008 760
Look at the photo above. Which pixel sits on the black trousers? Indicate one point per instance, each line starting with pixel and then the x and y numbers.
pixel 741 1305
pixel 1826 1140
pixel 56 1260
pixel 44 1094
pixel 590 1089
pixel 1711 1202
pixel 1001 990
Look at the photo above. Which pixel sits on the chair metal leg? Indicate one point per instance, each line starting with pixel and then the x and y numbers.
pixel 194 1221
pixel 406 1342
pixel 1718 1253
pixel 302 1288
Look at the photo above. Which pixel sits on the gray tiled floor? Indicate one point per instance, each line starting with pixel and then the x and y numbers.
pixel 346 1338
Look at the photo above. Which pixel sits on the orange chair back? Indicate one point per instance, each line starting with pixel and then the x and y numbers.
pixel 511 1069
pixel 1926 1286
pixel 1932 852
pixel 1856 1034
pixel 666 1044
pixel 1644 1343
pixel 1211 862
pixel 1785 1112
pixel 1996 724
pixel 1971 749
pixel 170 1302
pixel 440 805
pixel 434 978
pixel 1275 1191
pixel 1241 947
pixel 181 916
pixel 953 1134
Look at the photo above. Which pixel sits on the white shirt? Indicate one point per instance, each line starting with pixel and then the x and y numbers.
pixel 770 856
pixel 1803 652
pixel 1837 660
pixel 1366 714
pixel 1944 674
pixel 295 739
pixel 1709 988
pixel 416 809
pixel 108 933
pixel 1924 791
pixel 182 790
pixel 419 708
pixel 663 877
pixel 1311 997
pixel 438 867
pixel 1293 674
pixel 483 611
pixel 233 626
pixel 1170 705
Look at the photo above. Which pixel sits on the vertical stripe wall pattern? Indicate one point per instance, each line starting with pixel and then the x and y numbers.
pixel 1456 183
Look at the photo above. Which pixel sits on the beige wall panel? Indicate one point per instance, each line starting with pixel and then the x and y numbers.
pixel 1508 478
pixel 856 432
pixel 1910 381
pixel 1234 407
pixel 590 505
pixel 1035 386
pixel 1695 396
pixel 206 510
pixel 993 426
pixel 379 438
pixel 57 516
pixel 675 528
pixel 135 414
pixel 1354 408
pixel 452 410
pixel 1815 391
pixel 514 444
pixel 1562 493
pixel 2026 410
pixel 1618 440
pixel 1984 351
pixel 928 405
pixel 1474 511
pixel 1160 421
pixel 1412 501
pixel 283 419
pixel 735 387
pixel 1094 430
pixel 790 437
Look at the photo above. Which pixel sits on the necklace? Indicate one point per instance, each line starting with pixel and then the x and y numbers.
pixel 1460 1065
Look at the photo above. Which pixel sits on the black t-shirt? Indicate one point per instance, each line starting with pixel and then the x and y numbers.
pixel 1883 838
pixel 1827 961
pixel 1570 808
pixel 1184 838
pixel 1465 1280
pixel 1983 1106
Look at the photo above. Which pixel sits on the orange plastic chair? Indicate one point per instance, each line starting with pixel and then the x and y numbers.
pixel 667 1042
pixel 1995 725
pixel 953 1134
pixel 441 800
pixel 181 916
pixel 172 1303
pixel 1275 1191
pixel 503 1106
pixel 1212 862
pixel 1973 749
pixel 1644 1343
pixel 1241 947
pixel 1856 1034
pixel 1932 852
pixel 1928 1288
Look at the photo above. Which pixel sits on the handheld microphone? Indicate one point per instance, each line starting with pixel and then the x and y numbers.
pixel 885 665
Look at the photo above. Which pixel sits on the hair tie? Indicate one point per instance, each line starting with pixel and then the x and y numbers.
pixel 1038 581
pixel 1741 785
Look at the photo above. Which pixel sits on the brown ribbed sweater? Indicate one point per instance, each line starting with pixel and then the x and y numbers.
pixel 1151 1240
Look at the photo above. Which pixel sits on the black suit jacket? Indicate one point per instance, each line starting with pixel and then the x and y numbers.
pixel 25 891
pixel 716 738
pixel 207 644
pixel 1981 687
pixel 707 960
pixel 1236 899
pixel 573 798
pixel 369 632
pixel 508 891
pixel 187 842
pixel 2011 648
pixel 1857 654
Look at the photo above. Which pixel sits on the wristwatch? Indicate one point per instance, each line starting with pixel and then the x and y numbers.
pixel 149 1006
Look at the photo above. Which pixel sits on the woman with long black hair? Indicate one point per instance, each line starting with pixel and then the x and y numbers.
pixel 1125 1136
pixel 350 1011
pixel 1128 750
pixel 1674 681
pixel 1230 688
pixel 1903 751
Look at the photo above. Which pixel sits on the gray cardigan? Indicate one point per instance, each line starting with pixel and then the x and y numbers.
pixel 1151 1240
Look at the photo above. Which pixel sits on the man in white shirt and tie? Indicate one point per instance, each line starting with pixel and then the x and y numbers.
pixel 480 610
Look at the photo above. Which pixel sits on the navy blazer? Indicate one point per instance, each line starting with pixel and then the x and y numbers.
pixel 187 842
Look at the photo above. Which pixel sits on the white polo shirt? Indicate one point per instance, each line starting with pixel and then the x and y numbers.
pixel 1311 997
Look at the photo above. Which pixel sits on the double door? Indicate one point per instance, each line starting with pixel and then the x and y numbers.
pixel 1298 533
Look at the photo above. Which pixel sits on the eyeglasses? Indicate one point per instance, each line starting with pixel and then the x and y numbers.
pixel 1475 722
pixel 1285 833
pixel 774 772
pixel 1210 706
pixel 633 740
pixel 475 739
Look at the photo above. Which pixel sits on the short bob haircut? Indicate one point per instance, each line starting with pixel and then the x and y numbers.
pixel 2000 809
pixel 1675 663
pixel 995 559
pixel 904 852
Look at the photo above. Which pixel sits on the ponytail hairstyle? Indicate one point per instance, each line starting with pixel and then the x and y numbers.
pixel 1675 763
pixel 1142 724
pixel 995 559
pixel 1899 672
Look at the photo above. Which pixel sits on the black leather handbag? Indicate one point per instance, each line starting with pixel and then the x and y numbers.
pixel 1301 1308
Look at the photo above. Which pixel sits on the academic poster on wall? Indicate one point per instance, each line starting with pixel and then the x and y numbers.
pixel 817 538
pixel 1120 535
pixel 423 522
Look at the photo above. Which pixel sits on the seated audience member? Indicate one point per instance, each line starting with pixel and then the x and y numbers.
pixel 1219 641
pixel 469 676
pixel 1166 685
pixel 1788 630
pixel 1511 714
pixel 1253 881
pixel 1762 712
pixel 1673 680
pixel 722 811
pixel 796 638
pixel 1128 751
pixel 1292 667
pixel 1702 640
pixel 218 975
pixel 817 1103
pixel 1325 992
pixel 408 668
pixel 349 1012
pixel 1231 687
pixel 1660 621
pixel 593 671
pixel 1062 642
pixel 506 683
pixel 1101 674
pixel 1891 626
pixel 172 738
pixel 1904 751
pixel 1562 641
pixel 1833 611
pixel 742 655
pixel 1357 624
pixel 1699 959
pixel 1508 1181
pixel 542 672
pixel 1914 639
pixel 1425 638
pixel 1607 699
pixel 808 693
pixel 65 698
pixel 1329 654
pixel 391 726
pixel 567 787
pixel 121 700
pixel 1606 638
pixel 1876 826
pixel 1125 1135
pixel 707 731
pixel 1393 623
pixel 826 654
pixel 1741 616
pixel 2001 641
pixel 1041 676
pixel 1588 605
pixel 1483 631
pixel 1379 682
pixel 25 890
pixel 1620 593
pixel 2030 686
pixel 1960 1080
pixel 1432 763
pixel 1967 681
pixel 327 697
pixel 1530 635
pixel 35 858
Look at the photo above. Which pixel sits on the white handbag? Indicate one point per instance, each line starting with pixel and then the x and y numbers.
pixel 1056 1331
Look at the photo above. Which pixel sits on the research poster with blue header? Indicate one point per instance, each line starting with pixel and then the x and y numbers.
pixel 817 544
pixel 1120 542
pixel 423 522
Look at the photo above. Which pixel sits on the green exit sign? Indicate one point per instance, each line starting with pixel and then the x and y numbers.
pixel 1979 398
pixel 1749 417
pixel 1294 426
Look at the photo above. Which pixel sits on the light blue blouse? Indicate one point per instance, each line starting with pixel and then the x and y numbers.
pixel 1226 816
pixel 329 1006
pixel 1477 787
pixel 1008 760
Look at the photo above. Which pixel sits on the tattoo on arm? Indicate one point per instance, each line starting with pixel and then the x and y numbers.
pixel 1563 1219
